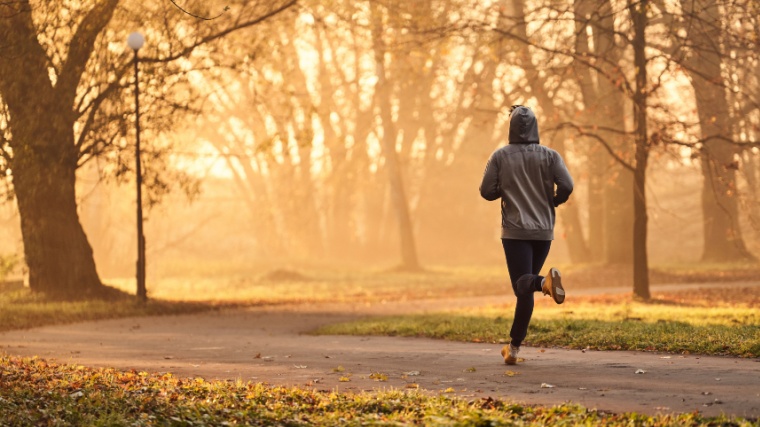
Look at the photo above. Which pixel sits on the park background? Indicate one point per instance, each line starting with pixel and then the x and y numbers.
pixel 352 136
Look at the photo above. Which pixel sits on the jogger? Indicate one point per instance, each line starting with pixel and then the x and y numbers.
pixel 524 175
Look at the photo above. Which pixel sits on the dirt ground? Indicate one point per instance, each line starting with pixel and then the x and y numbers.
pixel 272 345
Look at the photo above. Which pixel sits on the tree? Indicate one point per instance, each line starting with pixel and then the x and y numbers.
pixel 409 259
pixel 640 20
pixel 610 205
pixel 705 43
pixel 57 85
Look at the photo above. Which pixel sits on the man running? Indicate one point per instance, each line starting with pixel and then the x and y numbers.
pixel 523 174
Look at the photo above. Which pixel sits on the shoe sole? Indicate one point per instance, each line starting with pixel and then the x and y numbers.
pixel 555 285
pixel 508 359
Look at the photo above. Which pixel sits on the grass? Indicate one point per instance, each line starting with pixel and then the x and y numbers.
pixel 215 283
pixel 21 309
pixel 36 392
pixel 706 321
pixel 325 285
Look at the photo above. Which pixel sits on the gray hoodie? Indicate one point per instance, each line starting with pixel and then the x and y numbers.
pixel 524 174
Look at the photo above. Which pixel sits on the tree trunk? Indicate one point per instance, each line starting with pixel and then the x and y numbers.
pixel 57 252
pixel 723 239
pixel 596 158
pixel 618 205
pixel 610 204
pixel 640 219
pixel 44 162
pixel 409 260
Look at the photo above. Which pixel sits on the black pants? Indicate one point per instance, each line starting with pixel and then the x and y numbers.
pixel 525 259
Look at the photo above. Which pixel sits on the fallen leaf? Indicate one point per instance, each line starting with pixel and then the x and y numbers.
pixel 413 385
pixel 470 369
pixel 377 376
pixel 640 371
pixel 168 357
pixel 412 373
pixel 542 351
pixel 257 356
pixel 545 385
pixel 449 390
pixel 511 373
pixel 344 379
pixel 339 369
pixel 300 366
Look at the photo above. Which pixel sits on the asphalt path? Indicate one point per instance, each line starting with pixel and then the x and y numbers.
pixel 273 345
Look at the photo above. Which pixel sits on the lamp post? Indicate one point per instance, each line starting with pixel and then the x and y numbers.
pixel 136 41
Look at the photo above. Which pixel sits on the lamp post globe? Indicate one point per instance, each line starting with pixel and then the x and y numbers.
pixel 135 41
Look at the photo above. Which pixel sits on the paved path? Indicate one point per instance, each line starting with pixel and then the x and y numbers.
pixel 268 344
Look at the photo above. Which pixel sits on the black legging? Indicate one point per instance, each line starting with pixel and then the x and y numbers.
pixel 525 259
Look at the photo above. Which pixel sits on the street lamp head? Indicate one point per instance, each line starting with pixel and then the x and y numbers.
pixel 136 41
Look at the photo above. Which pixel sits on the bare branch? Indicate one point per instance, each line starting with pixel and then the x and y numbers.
pixel 189 49
pixel 582 132
pixel 226 8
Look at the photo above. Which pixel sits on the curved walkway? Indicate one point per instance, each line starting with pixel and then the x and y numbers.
pixel 269 344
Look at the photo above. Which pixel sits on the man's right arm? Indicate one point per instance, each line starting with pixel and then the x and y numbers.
pixel 489 188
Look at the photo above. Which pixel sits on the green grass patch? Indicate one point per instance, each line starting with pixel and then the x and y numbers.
pixel 603 323
pixel 36 392
pixel 20 309
pixel 225 283
pixel 324 285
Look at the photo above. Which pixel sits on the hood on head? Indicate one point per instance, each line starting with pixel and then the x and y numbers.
pixel 523 127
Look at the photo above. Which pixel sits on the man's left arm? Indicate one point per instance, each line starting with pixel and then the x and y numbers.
pixel 562 179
